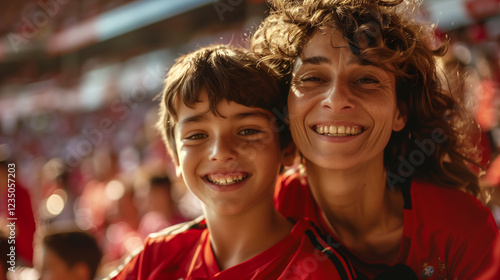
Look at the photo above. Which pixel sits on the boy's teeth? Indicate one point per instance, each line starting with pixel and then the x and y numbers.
pixel 340 130
pixel 226 179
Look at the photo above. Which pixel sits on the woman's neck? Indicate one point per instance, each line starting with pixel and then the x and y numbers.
pixel 359 208
pixel 235 239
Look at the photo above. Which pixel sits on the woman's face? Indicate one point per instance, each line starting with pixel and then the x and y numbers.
pixel 341 113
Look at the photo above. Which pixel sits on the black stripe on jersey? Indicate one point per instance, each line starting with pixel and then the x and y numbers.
pixel 333 258
pixel 335 245
pixel 406 191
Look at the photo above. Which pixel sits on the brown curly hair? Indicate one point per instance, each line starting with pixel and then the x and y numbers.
pixel 381 33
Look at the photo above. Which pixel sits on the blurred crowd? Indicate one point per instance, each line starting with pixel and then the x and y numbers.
pixel 476 57
pixel 87 158
pixel 73 12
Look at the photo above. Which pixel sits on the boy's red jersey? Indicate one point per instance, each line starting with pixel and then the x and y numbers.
pixel 184 252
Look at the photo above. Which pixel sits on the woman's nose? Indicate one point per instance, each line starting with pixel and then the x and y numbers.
pixel 338 97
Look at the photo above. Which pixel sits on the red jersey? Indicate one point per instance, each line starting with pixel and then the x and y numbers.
pixel 447 234
pixel 184 252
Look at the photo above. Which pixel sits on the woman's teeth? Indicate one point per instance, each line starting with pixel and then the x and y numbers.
pixel 340 130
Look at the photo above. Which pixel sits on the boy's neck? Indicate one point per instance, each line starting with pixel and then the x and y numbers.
pixel 235 239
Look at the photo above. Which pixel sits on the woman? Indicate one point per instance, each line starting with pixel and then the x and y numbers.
pixel 384 141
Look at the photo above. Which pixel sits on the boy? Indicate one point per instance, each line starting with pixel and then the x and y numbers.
pixel 216 119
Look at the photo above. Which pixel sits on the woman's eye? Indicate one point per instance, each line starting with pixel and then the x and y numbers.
pixel 367 81
pixel 249 132
pixel 310 79
pixel 196 136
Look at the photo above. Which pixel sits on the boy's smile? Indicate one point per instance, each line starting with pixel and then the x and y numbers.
pixel 230 159
pixel 225 179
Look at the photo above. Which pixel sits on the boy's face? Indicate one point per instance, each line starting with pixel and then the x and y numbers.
pixel 230 162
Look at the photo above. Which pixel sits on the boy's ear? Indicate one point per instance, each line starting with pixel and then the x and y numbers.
pixel 178 172
pixel 289 155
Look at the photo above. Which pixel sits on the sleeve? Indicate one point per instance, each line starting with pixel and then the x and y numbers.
pixel 479 255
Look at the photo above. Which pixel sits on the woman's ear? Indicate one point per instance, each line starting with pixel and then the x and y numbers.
pixel 400 116
pixel 289 154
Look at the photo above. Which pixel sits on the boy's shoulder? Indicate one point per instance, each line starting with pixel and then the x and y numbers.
pixel 292 190
pixel 165 248
pixel 185 227
pixel 181 233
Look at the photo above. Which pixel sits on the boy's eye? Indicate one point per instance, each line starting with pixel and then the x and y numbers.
pixel 249 132
pixel 197 136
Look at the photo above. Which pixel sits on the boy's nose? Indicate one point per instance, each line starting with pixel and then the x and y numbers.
pixel 223 149
pixel 338 98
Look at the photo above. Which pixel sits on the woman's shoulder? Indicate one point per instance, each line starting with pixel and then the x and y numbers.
pixel 450 208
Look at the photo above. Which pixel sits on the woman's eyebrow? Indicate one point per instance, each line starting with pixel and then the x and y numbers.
pixel 319 59
pixel 316 60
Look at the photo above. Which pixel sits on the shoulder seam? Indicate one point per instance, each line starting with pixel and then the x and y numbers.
pixel 178 228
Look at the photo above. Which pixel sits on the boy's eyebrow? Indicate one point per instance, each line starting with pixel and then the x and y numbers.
pixel 195 118
pixel 239 116
pixel 252 114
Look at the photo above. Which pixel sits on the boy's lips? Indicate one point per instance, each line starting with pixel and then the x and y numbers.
pixel 338 130
pixel 226 178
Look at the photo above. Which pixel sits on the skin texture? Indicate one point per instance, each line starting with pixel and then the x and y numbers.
pixel 331 88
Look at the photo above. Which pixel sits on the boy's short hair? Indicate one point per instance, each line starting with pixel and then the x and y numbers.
pixel 75 247
pixel 225 73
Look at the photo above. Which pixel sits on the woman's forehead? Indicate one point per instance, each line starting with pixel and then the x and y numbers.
pixel 325 39
pixel 325 46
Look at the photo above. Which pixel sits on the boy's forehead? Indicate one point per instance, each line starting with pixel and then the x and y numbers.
pixel 201 111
